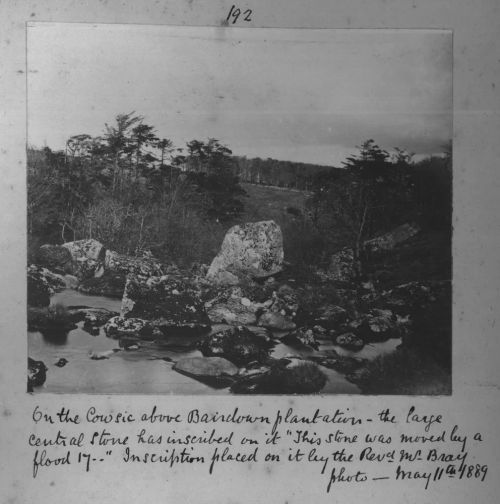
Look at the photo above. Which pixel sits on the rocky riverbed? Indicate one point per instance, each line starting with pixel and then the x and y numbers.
pixel 102 322
pixel 148 367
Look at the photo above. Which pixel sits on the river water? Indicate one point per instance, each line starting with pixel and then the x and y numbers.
pixel 147 370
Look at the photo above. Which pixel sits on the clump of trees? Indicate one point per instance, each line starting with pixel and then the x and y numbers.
pixel 377 191
pixel 134 191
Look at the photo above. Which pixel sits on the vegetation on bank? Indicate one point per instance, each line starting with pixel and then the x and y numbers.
pixel 403 372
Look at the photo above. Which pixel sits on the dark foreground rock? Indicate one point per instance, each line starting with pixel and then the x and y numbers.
pixel 276 321
pixel 145 265
pixel 342 265
pixel 37 373
pixel 237 344
pixel 54 319
pixel 170 304
pixel 234 311
pixel 375 326
pixel 405 372
pixel 430 313
pixel 340 363
pixel 214 371
pixel 56 258
pixel 118 327
pixel 284 376
pixel 345 267
pixel 109 284
pixel 422 314
pixel 330 316
pixel 350 341
pixel 96 318
pixel 106 354
pixel 301 337
pixel 39 287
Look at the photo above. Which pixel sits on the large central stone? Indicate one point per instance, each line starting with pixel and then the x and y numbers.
pixel 250 249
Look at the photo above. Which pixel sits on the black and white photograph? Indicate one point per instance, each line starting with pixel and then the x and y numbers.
pixel 246 211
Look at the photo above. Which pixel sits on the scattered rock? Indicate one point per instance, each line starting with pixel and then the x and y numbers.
pixel 389 240
pixel 61 362
pixel 350 341
pixel 264 334
pixel 130 348
pixel 225 278
pixel 330 316
pixel 284 301
pixel 37 373
pixel 54 318
pixel 145 266
pixel 55 257
pixel 71 281
pixel 320 332
pixel 87 257
pixel 93 316
pixel 224 314
pixel 375 326
pixel 237 344
pixel 301 337
pixel 101 355
pixel 97 317
pixel 109 284
pixel 245 302
pixel 38 289
pixel 215 371
pixel 234 312
pixel 116 327
pixel 127 342
pixel 339 363
pixel 253 248
pixel 284 376
pixel 425 314
pixel 276 321
pixel 54 281
pixel 342 265
pixel 88 249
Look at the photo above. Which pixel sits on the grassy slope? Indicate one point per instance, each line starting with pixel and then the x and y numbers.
pixel 264 202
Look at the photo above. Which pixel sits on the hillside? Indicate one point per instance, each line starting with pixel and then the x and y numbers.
pixel 268 202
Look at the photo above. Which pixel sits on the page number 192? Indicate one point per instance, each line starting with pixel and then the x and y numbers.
pixel 235 13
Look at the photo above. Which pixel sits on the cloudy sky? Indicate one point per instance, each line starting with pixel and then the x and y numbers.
pixel 302 95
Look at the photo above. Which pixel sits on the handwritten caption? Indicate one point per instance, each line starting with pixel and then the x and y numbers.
pixel 341 447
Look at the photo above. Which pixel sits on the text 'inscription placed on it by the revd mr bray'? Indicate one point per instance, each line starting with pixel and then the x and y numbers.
pixel 342 448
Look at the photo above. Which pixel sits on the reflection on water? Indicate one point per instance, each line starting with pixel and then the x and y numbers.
pixel 70 297
pixel 143 371
pixel 149 369
pixel 55 337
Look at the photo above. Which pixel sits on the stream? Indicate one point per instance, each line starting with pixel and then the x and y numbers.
pixel 145 371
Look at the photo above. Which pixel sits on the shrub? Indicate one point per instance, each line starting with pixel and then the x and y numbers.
pixel 403 372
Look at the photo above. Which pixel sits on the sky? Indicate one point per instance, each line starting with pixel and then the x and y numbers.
pixel 291 94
